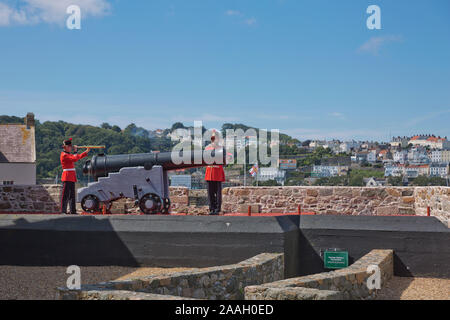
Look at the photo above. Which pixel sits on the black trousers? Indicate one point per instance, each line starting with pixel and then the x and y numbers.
pixel 68 196
pixel 214 195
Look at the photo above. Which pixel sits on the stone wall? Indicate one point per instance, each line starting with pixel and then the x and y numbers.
pixel 30 198
pixel 341 200
pixel 321 200
pixel 46 199
pixel 437 198
pixel 223 282
pixel 179 199
pixel 343 284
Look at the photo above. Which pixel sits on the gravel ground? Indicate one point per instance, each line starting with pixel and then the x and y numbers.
pixel 18 282
pixel 145 272
pixel 41 282
pixel 23 283
pixel 402 288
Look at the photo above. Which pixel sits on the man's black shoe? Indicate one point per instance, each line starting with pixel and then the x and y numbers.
pixel 213 213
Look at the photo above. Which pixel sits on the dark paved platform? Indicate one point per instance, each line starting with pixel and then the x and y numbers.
pixel 420 243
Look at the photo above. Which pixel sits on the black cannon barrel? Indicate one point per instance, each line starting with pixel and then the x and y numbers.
pixel 101 165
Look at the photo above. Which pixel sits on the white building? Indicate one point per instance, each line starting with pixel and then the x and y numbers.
pixel 359 157
pixel 399 142
pixel 372 156
pixel 333 145
pixel 430 141
pixel 393 171
pixel 242 142
pixel 18 153
pixel 400 156
pixel 410 171
pixel 374 182
pixel 440 156
pixel 328 171
pixel 181 180
pixel 317 143
pixel 271 173
pixel 439 170
pixel 418 156
pixel 347 146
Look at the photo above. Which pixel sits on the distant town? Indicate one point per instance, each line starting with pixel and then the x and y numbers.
pixel 408 158
pixel 416 160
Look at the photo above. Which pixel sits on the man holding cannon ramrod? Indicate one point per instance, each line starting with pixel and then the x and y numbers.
pixel 69 176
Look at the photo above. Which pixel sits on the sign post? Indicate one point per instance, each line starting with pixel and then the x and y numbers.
pixel 335 259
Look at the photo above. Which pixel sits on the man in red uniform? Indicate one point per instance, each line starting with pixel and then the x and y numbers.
pixel 69 176
pixel 214 177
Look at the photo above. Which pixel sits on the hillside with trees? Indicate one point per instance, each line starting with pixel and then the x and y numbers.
pixel 50 134
pixel 132 139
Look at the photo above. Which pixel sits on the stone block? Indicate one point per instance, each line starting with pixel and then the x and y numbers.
pixel 388 210
pixel 243 208
pixel 5 205
pixel 324 192
pixel 407 193
pixel 310 200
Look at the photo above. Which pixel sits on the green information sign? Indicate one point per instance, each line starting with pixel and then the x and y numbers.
pixel 335 259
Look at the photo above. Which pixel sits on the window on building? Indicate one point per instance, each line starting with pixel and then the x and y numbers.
pixel 8 182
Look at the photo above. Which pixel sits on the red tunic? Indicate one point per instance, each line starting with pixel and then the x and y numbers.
pixel 67 162
pixel 214 172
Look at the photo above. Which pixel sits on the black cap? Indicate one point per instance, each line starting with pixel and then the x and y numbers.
pixel 68 142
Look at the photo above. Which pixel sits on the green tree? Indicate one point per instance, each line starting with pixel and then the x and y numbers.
pixel 395 181
pixel 116 128
pixel 268 183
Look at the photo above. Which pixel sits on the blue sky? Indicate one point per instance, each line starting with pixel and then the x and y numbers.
pixel 309 68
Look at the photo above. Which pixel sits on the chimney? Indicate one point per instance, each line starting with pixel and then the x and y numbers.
pixel 29 120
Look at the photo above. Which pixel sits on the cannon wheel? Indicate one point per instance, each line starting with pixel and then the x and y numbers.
pixel 90 203
pixel 150 203
pixel 166 206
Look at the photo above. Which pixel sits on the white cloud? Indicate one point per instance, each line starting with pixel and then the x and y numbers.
pixel 28 12
pixel 345 134
pixel 233 13
pixel 374 44
pixel 337 115
pixel 250 22
pixel 205 117
pixel 9 15
pixel 425 118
